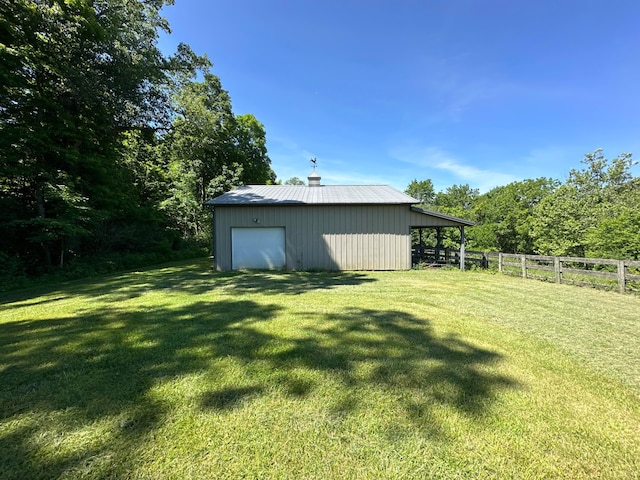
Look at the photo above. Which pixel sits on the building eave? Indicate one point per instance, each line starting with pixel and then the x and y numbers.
pixel 461 221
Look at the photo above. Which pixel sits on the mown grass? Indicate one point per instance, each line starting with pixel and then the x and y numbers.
pixel 180 372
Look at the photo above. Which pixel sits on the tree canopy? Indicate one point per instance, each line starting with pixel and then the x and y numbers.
pixel 422 191
pixel 97 127
pixel 505 215
pixel 294 181
pixel 595 212
pixel 209 151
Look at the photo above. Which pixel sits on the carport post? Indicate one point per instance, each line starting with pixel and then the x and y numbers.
pixel 462 248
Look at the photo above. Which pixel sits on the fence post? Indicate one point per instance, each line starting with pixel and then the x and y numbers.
pixel 557 269
pixel 621 276
pixel 523 261
pixel 500 262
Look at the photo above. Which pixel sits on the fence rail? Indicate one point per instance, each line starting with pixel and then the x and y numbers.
pixel 623 275
pixel 620 275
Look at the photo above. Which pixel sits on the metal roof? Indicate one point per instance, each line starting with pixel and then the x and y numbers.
pixel 316 195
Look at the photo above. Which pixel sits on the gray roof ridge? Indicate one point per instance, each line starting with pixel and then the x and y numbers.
pixel 342 185
pixel 304 194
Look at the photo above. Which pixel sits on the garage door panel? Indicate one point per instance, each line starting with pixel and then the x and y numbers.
pixel 258 248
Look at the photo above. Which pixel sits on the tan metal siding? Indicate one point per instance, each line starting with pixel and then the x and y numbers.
pixel 332 237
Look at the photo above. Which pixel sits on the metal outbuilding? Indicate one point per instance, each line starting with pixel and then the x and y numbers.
pixel 319 227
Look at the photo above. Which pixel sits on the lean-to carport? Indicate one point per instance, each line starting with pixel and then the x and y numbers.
pixel 423 219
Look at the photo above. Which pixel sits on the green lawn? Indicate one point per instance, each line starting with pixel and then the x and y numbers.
pixel 181 372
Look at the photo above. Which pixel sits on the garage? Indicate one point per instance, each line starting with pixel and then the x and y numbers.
pixel 319 227
pixel 258 248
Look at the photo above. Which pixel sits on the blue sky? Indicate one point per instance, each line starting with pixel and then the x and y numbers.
pixel 482 92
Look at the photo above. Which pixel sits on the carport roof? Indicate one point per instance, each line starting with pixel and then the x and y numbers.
pixel 458 220
pixel 315 195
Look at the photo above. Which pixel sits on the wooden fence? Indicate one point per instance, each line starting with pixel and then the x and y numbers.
pixel 623 275
pixel 620 275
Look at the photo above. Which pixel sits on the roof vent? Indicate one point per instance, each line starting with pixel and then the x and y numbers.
pixel 314 179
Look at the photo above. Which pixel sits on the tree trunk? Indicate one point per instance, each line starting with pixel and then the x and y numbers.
pixel 46 248
pixel 61 252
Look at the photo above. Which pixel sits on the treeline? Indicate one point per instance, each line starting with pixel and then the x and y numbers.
pixel 594 213
pixel 108 147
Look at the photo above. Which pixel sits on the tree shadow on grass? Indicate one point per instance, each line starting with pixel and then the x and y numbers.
pixel 61 376
pixel 290 283
pixel 228 398
pixel 194 277
pixel 401 352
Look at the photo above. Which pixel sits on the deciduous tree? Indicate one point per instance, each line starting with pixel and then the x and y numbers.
pixel 294 181
pixel 504 215
pixel 592 212
pixel 74 76
pixel 210 151
pixel 422 191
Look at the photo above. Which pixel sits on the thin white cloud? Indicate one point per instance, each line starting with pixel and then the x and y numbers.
pixel 484 180
pixel 445 169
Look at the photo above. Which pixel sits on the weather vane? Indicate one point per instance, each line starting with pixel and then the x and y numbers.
pixel 314 162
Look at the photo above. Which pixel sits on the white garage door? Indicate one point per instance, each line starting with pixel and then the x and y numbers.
pixel 257 248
